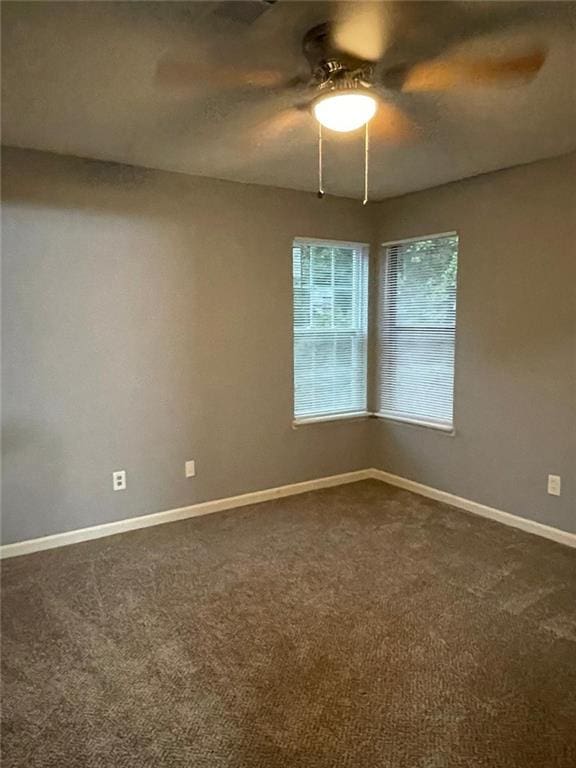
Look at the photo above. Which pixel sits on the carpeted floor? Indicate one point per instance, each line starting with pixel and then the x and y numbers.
pixel 360 626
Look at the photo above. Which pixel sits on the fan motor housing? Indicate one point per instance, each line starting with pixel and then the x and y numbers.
pixel 343 81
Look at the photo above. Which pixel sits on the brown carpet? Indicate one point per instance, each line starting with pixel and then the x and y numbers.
pixel 360 626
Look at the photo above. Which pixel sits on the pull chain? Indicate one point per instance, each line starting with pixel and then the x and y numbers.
pixel 320 192
pixel 320 152
pixel 366 151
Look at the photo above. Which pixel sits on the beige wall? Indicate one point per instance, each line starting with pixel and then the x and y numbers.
pixel 515 399
pixel 148 320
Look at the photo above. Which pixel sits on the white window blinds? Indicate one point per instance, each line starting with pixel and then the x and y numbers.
pixel 416 330
pixel 330 328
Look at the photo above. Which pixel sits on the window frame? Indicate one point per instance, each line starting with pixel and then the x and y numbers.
pixel 447 429
pixel 364 249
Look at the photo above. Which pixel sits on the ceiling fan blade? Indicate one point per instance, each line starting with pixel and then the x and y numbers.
pixel 362 29
pixel 391 124
pixel 185 74
pixel 279 124
pixel 452 72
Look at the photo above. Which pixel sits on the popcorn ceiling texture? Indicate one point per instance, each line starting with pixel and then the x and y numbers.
pixel 79 79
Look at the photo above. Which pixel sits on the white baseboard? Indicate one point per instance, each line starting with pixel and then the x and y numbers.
pixel 531 526
pixel 256 497
pixel 171 515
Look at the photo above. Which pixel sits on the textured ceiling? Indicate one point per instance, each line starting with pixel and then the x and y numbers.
pixel 79 78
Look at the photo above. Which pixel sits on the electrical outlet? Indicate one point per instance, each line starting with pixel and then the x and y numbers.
pixel 119 480
pixel 554 485
pixel 190 468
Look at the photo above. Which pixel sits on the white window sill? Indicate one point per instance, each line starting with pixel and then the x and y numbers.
pixel 445 429
pixel 332 417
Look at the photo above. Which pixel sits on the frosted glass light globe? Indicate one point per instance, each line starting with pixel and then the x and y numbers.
pixel 345 111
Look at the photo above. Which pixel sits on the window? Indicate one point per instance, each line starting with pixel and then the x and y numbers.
pixel 416 330
pixel 330 329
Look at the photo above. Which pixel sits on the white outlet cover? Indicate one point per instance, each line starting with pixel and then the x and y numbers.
pixel 190 468
pixel 119 480
pixel 554 485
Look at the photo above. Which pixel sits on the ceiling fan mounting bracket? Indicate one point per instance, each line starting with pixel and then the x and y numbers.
pixel 326 60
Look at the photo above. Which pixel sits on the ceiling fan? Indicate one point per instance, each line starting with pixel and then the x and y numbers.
pixel 366 53
pixel 370 48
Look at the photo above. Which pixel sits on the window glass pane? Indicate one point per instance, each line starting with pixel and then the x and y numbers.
pixel 426 282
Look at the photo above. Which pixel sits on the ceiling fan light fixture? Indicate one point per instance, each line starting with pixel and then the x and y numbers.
pixel 345 112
